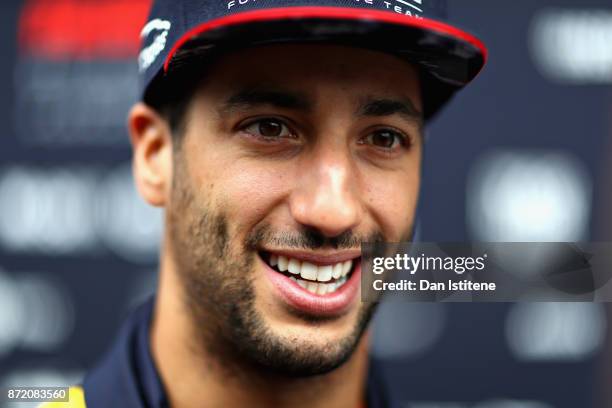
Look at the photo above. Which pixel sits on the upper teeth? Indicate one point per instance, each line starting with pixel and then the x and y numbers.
pixel 307 270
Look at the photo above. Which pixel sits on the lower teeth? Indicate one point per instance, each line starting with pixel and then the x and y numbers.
pixel 320 288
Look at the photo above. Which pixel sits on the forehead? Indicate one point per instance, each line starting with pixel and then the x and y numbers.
pixel 315 70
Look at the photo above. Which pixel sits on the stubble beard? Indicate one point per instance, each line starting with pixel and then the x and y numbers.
pixel 218 293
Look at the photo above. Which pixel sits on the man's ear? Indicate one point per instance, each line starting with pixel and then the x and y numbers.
pixel 151 140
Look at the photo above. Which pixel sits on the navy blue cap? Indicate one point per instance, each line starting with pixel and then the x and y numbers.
pixel 417 30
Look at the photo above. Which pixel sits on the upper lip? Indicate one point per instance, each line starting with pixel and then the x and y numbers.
pixel 329 258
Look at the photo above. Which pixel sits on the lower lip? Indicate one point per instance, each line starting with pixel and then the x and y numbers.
pixel 331 304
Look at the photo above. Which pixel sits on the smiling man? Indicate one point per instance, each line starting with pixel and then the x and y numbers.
pixel 278 136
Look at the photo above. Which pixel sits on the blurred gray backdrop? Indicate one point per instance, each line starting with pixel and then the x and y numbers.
pixel 524 154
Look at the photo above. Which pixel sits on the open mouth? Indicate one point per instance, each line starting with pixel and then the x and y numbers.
pixel 317 279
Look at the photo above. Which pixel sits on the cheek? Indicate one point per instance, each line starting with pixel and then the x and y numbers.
pixel 247 194
pixel 244 189
pixel 392 202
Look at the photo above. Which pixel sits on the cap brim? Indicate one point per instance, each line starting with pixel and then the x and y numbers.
pixel 449 57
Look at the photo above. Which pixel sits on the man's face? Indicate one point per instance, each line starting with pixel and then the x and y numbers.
pixel 291 157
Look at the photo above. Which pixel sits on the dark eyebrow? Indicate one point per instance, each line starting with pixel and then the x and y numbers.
pixel 253 97
pixel 388 107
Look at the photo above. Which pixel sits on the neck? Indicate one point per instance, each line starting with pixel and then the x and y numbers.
pixel 189 380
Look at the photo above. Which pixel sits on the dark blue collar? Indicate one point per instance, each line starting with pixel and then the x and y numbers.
pixel 127 377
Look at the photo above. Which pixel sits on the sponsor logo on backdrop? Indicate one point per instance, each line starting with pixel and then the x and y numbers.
pixel 76 74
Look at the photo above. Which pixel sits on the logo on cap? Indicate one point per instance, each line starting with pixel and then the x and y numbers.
pixel 149 54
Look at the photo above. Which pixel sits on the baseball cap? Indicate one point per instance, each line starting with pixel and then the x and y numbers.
pixel 417 30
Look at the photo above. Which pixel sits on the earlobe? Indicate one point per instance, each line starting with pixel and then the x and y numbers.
pixel 151 141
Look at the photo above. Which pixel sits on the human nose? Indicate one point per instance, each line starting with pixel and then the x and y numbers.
pixel 327 197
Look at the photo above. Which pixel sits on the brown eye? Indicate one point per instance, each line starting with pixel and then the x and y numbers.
pixel 385 139
pixel 269 129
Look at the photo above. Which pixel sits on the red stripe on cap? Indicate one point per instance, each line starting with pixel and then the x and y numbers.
pixel 341 13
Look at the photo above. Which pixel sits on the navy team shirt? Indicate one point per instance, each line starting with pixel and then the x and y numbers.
pixel 127 377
